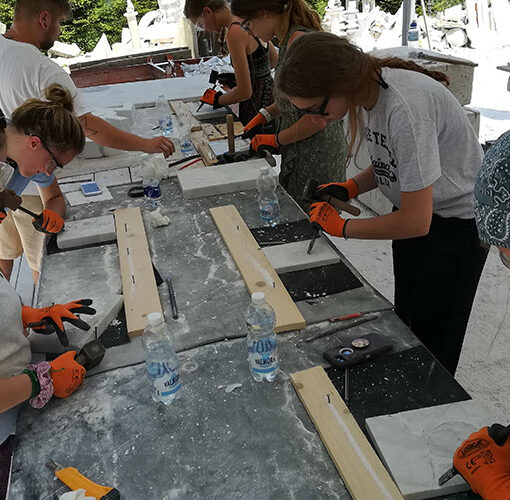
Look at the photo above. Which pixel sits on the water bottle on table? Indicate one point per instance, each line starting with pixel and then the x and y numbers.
pixel 164 116
pixel 269 206
pixel 413 35
pixel 162 363
pixel 261 340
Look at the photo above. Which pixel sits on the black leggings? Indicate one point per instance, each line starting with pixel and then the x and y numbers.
pixel 436 277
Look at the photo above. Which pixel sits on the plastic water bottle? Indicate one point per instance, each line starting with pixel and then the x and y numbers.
pixel 152 192
pixel 162 364
pixel 261 340
pixel 413 35
pixel 269 205
pixel 187 147
pixel 164 116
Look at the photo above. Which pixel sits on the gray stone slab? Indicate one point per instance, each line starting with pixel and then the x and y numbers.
pixel 254 442
pixel 116 177
pixel 417 446
pixel 106 306
pixel 294 257
pixel 83 232
pixel 221 179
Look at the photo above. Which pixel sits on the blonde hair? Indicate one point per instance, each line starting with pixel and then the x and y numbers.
pixel 194 8
pixel 52 119
pixel 325 65
pixel 293 12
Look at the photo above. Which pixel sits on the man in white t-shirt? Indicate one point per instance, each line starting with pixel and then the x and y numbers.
pixel 26 73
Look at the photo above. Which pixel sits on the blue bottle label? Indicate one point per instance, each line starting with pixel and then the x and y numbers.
pixel 164 380
pixel 263 355
pixel 152 190
pixel 269 211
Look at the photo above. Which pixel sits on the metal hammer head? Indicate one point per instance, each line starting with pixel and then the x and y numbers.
pixel 309 191
pixel 213 77
pixel 91 354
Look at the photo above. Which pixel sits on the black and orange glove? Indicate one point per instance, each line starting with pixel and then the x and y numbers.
pixel 211 97
pixel 483 460
pixel 3 215
pixel 66 374
pixel 48 222
pixel 327 218
pixel 265 142
pixel 51 319
pixel 343 191
pixel 253 126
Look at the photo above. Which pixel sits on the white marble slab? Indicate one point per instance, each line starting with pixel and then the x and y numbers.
pixel 293 257
pixel 220 179
pixel 107 307
pixel 417 446
pixel 78 233
pixel 78 198
pixel 109 178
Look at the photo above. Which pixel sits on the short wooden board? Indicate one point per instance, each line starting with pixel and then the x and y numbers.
pixel 238 128
pixel 138 283
pixel 255 269
pixel 362 472
pixel 203 147
pixel 213 134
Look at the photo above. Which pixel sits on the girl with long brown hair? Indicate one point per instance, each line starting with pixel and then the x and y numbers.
pixel 252 60
pixel 304 144
pixel 424 158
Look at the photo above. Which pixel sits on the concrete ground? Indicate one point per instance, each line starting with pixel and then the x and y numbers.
pixel 484 368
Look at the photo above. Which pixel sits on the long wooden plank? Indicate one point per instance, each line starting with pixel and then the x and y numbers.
pixel 183 113
pixel 255 269
pixel 138 283
pixel 356 461
pixel 203 147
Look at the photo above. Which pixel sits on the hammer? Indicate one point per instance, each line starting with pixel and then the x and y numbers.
pixel 91 354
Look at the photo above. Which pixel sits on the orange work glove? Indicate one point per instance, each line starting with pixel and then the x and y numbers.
pixel 343 191
pixel 265 142
pixel 483 460
pixel 48 222
pixel 250 129
pixel 211 97
pixel 327 218
pixel 51 319
pixel 67 374
pixel 3 215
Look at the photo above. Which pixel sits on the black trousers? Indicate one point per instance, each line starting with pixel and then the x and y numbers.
pixel 436 277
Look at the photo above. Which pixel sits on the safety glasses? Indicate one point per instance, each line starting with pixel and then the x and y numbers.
pixel 318 112
pixel 55 161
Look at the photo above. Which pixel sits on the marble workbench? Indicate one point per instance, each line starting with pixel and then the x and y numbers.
pixel 256 441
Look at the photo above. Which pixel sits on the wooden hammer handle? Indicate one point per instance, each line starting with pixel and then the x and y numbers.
pixel 342 205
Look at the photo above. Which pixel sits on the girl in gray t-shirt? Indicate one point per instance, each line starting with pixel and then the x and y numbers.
pixel 424 159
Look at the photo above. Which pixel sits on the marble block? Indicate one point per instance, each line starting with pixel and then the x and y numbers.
pixel 107 307
pixel 109 178
pixel 417 446
pixel 78 233
pixel 220 179
pixel 78 198
pixel 293 256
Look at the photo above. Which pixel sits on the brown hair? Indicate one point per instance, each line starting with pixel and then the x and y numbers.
pixel 194 8
pixel 294 12
pixel 53 120
pixel 27 9
pixel 323 64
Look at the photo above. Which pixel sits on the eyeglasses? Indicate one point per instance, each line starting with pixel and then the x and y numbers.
pixel 318 112
pixel 55 161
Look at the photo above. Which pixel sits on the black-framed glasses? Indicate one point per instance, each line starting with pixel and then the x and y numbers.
pixel 45 146
pixel 318 112
pixel 245 25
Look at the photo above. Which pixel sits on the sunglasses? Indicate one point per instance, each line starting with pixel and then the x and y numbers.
pixel 245 25
pixel 318 112
pixel 56 162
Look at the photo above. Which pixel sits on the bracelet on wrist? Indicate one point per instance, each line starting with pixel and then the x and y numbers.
pixel 36 386
pixel 266 114
pixel 42 372
pixel 343 230
pixel 277 140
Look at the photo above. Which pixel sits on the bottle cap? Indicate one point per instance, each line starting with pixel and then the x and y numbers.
pixel 413 24
pixel 154 319
pixel 258 298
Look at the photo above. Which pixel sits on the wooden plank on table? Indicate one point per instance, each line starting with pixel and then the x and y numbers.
pixel 184 114
pixel 203 148
pixel 255 269
pixel 362 472
pixel 213 134
pixel 238 128
pixel 138 283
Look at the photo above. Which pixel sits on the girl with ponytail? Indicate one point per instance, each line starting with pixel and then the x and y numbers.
pixel 304 143
pixel 424 158
pixel 252 60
